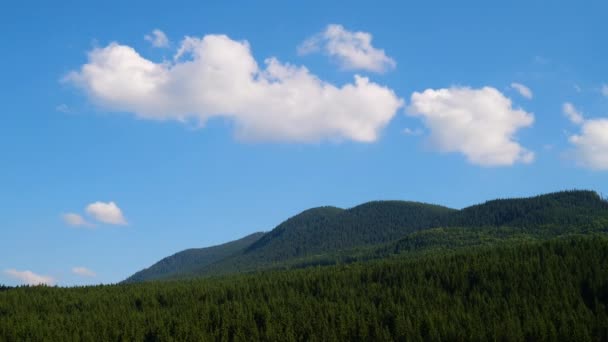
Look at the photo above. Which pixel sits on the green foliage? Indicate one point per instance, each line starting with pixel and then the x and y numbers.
pixel 554 290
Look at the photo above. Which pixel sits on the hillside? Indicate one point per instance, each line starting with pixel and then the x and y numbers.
pixel 327 235
pixel 192 260
pixel 555 290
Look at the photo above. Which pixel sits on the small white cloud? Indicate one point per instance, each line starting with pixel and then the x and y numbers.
pixel 29 277
pixel 352 50
pixel 578 88
pixel 479 123
pixel 522 90
pixel 75 220
pixel 413 132
pixel 591 145
pixel 220 78
pixel 158 38
pixel 605 90
pixel 83 272
pixel 572 113
pixel 106 212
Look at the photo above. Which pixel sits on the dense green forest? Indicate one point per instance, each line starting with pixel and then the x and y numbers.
pixel 551 290
pixel 330 235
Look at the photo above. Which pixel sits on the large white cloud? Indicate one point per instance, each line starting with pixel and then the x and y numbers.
pixel 591 144
pixel 216 76
pixel 29 277
pixel 352 50
pixel 106 212
pixel 479 123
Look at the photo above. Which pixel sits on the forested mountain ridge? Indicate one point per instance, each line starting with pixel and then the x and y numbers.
pixel 191 260
pixel 329 234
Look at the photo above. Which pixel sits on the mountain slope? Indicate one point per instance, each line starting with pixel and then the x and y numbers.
pixel 376 229
pixel 192 260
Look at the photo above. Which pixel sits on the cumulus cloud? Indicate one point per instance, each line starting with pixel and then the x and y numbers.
pixel 352 50
pixel 479 123
pixel 29 277
pixel 75 220
pixel 522 90
pixel 83 272
pixel 591 144
pixel 216 76
pixel 572 113
pixel 106 212
pixel 158 39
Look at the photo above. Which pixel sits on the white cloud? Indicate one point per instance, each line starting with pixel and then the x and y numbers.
pixel 479 123
pixel 75 220
pixel 29 277
pixel 352 50
pixel 158 39
pixel 216 76
pixel 83 272
pixel 605 90
pixel 106 212
pixel 572 113
pixel 591 145
pixel 522 90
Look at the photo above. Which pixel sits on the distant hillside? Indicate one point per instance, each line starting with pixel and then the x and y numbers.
pixel 193 260
pixel 376 229
pixel 562 208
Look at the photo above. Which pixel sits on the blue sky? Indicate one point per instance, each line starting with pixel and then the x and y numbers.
pixel 151 146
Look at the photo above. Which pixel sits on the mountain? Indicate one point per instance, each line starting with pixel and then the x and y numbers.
pixel 327 235
pixel 192 260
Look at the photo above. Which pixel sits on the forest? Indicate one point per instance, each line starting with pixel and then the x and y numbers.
pixel 551 290
pixel 509 269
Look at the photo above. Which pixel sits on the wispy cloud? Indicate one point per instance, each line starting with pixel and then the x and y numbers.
pixel 412 132
pixel 572 113
pixel 29 277
pixel 352 50
pixel 158 39
pixel 522 90
pixel 83 272
pixel 75 220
